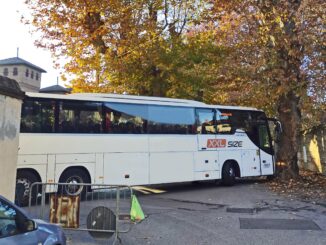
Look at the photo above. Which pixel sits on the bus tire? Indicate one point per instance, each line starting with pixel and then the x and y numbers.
pixel 24 180
pixel 228 174
pixel 74 175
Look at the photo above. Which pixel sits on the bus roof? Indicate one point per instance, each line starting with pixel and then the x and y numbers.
pixel 102 97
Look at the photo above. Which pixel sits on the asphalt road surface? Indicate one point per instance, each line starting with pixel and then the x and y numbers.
pixel 208 214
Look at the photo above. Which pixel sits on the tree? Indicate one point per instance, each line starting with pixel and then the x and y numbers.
pixel 277 58
pixel 199 49
pixel 117 45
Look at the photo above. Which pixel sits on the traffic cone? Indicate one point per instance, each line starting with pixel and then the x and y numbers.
pixel 136 212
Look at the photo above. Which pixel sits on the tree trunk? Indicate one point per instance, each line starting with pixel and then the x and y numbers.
pixel 290 117
pixel 290 58
pixel 157 84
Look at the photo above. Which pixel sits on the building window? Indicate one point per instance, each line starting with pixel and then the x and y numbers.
pixel 15 71
pixel 27 73
pixel 32 74
pixel 36 76
pixel 5 72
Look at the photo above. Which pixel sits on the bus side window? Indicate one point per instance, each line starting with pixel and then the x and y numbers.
pixel 205 121
pixel 263 137
pixel 80 117
pixel 108 126
pixel 170 120
pixel 126 118
pixel 37 116
pixel 224 122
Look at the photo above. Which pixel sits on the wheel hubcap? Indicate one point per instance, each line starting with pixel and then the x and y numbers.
pixel 23 186
pixel 231 172
pixel 73 188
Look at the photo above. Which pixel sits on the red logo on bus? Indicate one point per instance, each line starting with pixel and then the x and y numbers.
pixel 216 143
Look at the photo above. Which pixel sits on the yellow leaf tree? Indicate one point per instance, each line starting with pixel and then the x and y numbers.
pixel 262 53
pixel 277 58
pixel 116 45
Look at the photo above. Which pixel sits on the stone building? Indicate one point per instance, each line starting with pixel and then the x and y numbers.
pixel 25 73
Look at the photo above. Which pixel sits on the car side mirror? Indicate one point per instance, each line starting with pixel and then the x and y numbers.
pixel 30 225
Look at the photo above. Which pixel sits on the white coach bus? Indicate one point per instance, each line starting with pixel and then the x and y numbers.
pixel 137 140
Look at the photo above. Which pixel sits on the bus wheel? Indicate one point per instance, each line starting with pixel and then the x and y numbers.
pixel 228 174
pixel 24 180
pixel 74 176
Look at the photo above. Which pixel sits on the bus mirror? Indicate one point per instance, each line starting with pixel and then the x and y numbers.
pixel 277 126
pixel 278 130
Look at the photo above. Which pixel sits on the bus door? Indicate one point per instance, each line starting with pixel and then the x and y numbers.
pixel 206 158
pixel 265 150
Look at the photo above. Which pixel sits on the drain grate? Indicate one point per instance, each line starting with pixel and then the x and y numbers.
pixel 278 224
pixel 241 210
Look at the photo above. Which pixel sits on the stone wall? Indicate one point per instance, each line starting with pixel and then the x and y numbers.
pixel 10 109
pixel 312 153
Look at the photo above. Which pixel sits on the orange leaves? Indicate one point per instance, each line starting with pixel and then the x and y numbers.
pixel 309 186
pixel 272 39
pixel 278 20
pixel 186 45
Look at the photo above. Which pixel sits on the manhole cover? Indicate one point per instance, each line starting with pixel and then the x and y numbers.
pixel 101 222
pixel 241 210
pixel 278 224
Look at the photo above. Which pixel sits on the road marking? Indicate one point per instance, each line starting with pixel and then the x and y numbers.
pixel 147 190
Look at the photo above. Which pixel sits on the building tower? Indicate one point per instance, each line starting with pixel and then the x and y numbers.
pixel 25 73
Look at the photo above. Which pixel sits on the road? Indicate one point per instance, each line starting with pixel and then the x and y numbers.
pixel 207 214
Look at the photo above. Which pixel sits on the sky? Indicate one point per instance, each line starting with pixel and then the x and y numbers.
pixel 15 34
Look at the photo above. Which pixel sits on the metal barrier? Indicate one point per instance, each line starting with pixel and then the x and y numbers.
pixel 107 206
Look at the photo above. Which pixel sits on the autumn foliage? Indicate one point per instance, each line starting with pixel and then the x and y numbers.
pixel 263 53
pixel 309 187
